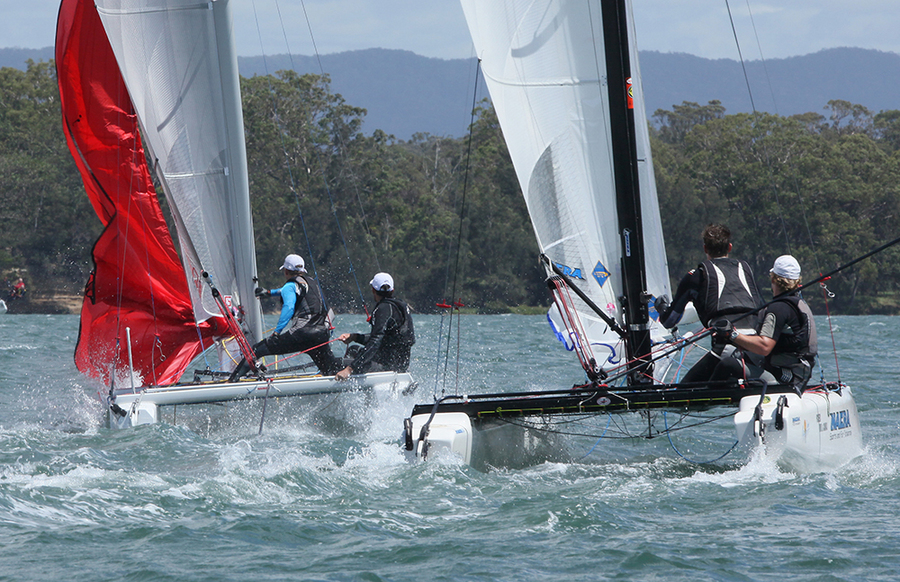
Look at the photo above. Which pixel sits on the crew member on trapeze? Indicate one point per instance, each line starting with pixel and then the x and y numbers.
pixel 787 335
pixel 303 324
pixel 387 346
pixel 719 287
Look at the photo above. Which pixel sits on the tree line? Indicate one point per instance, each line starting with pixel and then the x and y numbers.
pixel 445 216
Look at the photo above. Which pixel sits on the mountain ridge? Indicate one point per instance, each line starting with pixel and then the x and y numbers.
pixel 405 93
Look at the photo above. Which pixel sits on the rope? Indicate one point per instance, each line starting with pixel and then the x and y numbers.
pixel 566 307
pixel 837 366
pixel 608 422
pixel 240 338
pixel 321 165
pixel 677 452
pixel 796 186
pixel 338 135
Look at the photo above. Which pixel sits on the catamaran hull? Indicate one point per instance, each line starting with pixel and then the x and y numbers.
pixel 143 406
pixel 817 431
pixel 484 443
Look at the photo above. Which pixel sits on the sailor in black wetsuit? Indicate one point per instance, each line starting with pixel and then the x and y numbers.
pixel 388 345
pixel 720 287
pixel 787 334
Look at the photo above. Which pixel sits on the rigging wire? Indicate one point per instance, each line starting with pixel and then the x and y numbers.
pixel 796 186
pixel 284 147
pixel 341 150
pixel 756 116
pixel 447 307
pixel 762 58
pixel 321 164
pixel 459 238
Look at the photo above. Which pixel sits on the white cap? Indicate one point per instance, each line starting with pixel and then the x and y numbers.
pixel 786 266
pixel 382 282
pixel 294 263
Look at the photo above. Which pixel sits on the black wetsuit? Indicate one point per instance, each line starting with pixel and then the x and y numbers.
pixel 388 345
pixel 719 287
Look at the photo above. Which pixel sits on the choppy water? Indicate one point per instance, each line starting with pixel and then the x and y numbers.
pixel 80 502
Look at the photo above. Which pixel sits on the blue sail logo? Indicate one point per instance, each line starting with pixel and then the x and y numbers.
pixel 600 273
pixel 569 271
pixel 654 314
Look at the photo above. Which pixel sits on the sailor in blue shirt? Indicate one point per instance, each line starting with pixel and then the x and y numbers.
pixel 303 325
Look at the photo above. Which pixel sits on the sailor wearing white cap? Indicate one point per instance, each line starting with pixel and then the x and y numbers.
pixel 303 325
pixel 787 335
pixel 387 346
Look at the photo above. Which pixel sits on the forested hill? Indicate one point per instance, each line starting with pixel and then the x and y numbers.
pixel 405 93
pixel 823 185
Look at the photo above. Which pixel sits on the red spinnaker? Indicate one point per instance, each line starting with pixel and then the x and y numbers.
pixel 138 281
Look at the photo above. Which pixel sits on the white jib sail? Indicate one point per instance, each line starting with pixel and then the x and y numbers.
pixel 178 60
pixel 544 64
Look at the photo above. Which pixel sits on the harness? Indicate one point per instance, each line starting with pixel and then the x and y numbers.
pixel 309 310
pixel 400 332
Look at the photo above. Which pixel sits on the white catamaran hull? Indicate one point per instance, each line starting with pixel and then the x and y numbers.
pixel 818 431
pixel 484 444
pixel 142 406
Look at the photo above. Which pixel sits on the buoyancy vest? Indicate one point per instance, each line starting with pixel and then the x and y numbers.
pixel 801 341
pixel 398 336
pixel 399 330
pixel 727 289
pixel 309 309
pixel 797 346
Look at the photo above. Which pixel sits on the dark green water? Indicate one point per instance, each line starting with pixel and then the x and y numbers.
pixel 80 502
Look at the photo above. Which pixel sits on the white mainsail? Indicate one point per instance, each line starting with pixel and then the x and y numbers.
pixel 543 61
pixel 178 60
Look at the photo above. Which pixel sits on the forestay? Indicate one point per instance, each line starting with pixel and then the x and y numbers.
pixel 544 66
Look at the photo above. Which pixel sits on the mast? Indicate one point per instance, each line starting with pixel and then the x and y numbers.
pixel 241 216
pixel 628 201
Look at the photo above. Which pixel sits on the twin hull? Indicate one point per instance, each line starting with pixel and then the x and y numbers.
pixel 816 431
pixel 143 406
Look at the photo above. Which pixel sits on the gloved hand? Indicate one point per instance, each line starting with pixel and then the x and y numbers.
pixel 661 304
pixel 261 291
pixel 723 331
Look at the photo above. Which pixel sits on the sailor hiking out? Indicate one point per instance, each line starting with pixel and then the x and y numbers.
pixel 720 287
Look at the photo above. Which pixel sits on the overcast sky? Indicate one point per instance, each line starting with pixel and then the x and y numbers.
pixel 436 28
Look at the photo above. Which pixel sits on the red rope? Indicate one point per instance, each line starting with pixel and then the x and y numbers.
pixel 231 322
pixel 566 308
pixel 284 359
